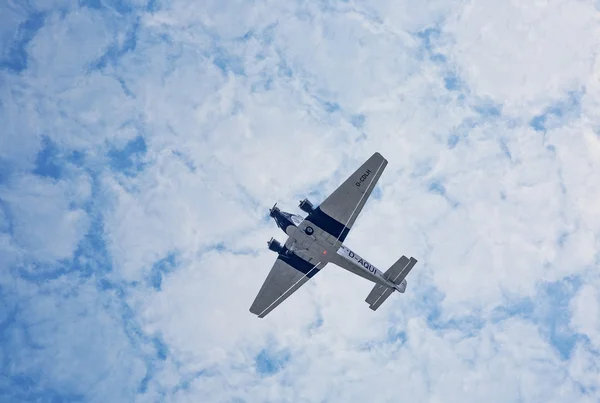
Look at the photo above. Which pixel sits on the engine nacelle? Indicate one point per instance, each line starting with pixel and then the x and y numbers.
pixel 275 246
pixel 306 206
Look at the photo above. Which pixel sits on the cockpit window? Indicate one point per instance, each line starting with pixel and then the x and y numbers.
pixel 296 219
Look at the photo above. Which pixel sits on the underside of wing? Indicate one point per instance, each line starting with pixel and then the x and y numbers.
pixel 336 215
pixel 288 274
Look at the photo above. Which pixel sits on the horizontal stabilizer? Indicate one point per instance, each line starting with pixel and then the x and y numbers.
pixel 400 269
pixel 378 295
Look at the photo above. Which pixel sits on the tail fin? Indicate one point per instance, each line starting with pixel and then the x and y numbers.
pixel 397 275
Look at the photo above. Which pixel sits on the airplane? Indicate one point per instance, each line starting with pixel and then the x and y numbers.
pixel 318 239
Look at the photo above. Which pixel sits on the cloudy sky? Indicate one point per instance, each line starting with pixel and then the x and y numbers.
pixel 142 143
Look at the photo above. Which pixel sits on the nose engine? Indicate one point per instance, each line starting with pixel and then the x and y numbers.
pixel 273 210
pixel 306 206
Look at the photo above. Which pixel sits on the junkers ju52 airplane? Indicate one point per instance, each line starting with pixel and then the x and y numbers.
pixel 318 239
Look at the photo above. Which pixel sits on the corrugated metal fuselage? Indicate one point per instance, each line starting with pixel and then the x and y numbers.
pixel 314 249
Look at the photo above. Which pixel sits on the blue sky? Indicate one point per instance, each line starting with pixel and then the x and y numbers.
pixel 142 143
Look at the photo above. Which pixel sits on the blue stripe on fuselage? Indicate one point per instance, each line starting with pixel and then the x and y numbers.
pixel 328 224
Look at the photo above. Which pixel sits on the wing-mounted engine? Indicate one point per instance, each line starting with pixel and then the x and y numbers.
pixel 275 246
pixel 306 206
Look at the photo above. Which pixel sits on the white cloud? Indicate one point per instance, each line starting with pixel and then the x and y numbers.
pixel 88 354
pixel 39 210
pixel 586 313
pixel 524 54
pixel 58 53
pixel 583 369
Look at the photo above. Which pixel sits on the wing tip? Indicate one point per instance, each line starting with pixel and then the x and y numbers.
pixel 377 154
pixel 258 314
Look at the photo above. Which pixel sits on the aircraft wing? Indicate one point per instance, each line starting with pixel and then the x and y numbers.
pixel 338 212
pixel 288 274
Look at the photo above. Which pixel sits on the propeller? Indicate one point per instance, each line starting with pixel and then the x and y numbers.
pixel 272 209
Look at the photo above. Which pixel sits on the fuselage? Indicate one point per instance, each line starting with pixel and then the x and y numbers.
pixel 344 256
